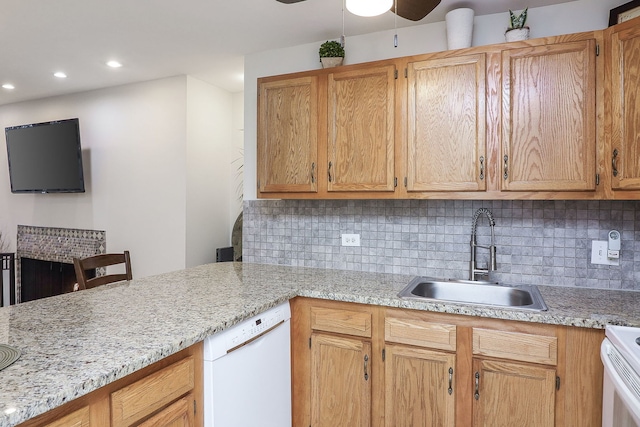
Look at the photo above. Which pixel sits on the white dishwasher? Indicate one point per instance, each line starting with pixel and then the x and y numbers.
pixel 247 372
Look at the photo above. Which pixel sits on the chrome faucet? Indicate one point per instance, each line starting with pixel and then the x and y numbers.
pixel 474 271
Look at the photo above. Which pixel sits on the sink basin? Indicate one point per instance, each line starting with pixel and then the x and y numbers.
pixel 524 297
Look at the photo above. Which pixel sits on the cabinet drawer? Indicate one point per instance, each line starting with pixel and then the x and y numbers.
pixel 421 333
pixel 138 400
pixel 341 321
pixel 516 346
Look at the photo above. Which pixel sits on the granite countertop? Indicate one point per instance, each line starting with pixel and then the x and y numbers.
pixel 75 343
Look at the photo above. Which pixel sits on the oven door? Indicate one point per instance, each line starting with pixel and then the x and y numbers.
pixel 621 390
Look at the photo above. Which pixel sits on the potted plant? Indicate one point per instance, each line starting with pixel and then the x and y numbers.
pixel 331 54
pixel 517 30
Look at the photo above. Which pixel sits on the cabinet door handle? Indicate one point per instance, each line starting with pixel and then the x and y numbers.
pixel 450 390
pixel 614 162
pixel 330 172
pixel 313 172
pixel 506 167
pixel 476 395
pixel 481 167
pixel 366 367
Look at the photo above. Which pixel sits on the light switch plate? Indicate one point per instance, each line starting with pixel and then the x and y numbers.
pixel 599 253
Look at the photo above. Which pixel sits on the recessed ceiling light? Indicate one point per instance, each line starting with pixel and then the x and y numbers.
pixel 8 86
pixel 114 64
pixel 60 75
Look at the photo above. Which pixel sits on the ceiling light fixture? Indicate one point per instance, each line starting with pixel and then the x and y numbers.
pixel 114 64
pixel 60 75
pixel 8 86
pixel 369 7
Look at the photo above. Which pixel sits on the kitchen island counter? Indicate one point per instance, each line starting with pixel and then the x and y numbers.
pixel 75 343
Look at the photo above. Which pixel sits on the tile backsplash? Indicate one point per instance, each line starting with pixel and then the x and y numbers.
pixel 538 242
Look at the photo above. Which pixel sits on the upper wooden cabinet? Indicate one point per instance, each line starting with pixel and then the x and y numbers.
pixel 361 126
pixel 623 107
pixel 446 121
pixel 549 117
pixel 287 135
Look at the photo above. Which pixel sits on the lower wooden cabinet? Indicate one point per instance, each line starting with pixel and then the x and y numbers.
pixel 376 366
pixel 419 386
pixel 513 394
pixel 340 386
pixel 168 393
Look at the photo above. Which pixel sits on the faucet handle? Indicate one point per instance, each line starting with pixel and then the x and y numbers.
pixel 492 259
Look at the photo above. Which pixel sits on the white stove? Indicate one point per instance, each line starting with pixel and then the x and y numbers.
pixel 620 354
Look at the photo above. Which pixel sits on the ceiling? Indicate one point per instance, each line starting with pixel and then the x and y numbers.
pixel 153 39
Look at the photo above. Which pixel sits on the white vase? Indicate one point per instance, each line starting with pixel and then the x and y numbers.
pixel 517 34
pixel 328 62
pixel 459 28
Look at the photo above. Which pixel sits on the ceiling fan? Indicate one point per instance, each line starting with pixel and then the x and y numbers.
pixel 413 10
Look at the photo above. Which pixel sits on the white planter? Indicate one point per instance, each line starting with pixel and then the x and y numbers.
pixel 459 28
pixel 517 34
pixel 329 62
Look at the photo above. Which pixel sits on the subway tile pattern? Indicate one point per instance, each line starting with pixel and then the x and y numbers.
pixel 58 245
pixel 538 242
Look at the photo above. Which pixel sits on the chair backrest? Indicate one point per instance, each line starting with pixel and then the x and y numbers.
pixel 98 261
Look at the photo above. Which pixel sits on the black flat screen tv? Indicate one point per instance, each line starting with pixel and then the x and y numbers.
pixel 45 157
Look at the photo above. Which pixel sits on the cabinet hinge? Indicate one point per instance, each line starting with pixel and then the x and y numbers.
pixel 597 50
pixel 395 181
pixel 557 383
pixel 406 73
pixel 597 179
pixel 384 354
pixel 395 74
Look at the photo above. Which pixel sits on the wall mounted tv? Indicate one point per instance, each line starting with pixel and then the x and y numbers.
pixel 45 157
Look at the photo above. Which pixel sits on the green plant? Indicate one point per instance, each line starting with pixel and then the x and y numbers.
pixel 331 49
pixel 517 21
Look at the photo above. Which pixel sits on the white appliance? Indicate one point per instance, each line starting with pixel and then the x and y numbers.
pixel 620 354
pixel 247 372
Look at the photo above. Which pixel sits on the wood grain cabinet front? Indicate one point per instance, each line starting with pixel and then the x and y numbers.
pixel 419 368
pixel 167 393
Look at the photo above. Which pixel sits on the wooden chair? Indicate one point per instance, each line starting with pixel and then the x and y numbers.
pixel 98 261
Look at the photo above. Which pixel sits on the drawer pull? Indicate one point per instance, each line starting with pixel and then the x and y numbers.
pixel 366 366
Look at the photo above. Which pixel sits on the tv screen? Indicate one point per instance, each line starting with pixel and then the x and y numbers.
pixel 45 157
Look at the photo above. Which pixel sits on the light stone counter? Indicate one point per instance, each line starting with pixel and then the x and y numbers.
pixel 75 343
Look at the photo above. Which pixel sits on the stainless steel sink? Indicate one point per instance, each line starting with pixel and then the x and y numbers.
pixel 523 297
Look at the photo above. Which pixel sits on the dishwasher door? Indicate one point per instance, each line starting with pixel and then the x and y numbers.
pixel 251 385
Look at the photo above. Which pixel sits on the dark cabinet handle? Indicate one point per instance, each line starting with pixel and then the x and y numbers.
pixel 366 367
pixel 481 167
pixel 450 390
pixel 614 162
pixel 330 179
pixel 313 173
pixel 476 395
pixel 506 166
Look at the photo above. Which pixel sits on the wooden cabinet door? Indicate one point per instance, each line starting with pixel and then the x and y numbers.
pixel 340 381
pixel 288 135
pixel 419 387
pixel 625 108
pixel 511 394
pixel 178 414
pixel 446 124
pixel 549 117
pixel 361 126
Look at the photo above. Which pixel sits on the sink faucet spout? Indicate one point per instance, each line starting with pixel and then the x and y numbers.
pixel 474 271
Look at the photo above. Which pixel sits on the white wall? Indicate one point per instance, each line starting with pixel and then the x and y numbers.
pixel 237 156
pixel 141 144
pixel 209 148
pixel 565 18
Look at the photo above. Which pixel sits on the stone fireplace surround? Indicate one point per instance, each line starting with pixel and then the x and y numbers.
pixel 56 244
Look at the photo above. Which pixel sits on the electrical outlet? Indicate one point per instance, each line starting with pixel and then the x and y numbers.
pixel 599 253
pixel 350 240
